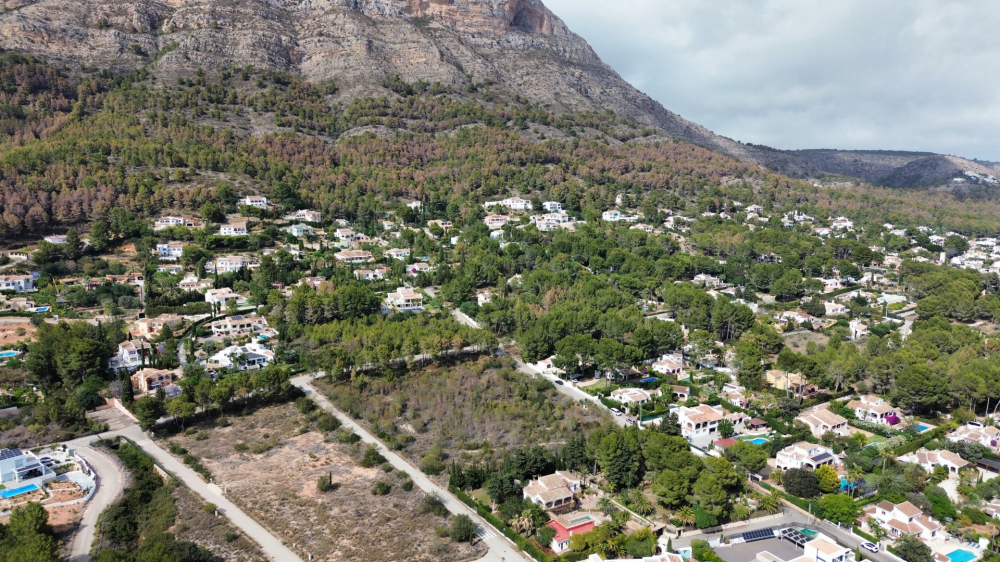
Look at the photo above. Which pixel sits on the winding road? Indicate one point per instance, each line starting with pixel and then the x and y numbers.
pixel 500 548
pixel 111 481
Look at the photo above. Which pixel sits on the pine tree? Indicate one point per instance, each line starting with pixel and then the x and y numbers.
pixel 127 393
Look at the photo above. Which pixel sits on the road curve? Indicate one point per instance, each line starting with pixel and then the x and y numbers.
pixel 110 481
pixel 500 548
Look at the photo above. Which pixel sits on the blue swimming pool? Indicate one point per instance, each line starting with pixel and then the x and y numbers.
pixel 757 441
pixel 961 555
pixel 8 353
pixel 18 491
pixel 922 427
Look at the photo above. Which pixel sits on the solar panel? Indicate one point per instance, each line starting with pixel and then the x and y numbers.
pixel 9 454
pixel 758 535
pixel 822 457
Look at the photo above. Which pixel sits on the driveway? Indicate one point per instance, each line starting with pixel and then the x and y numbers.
pixel 501 550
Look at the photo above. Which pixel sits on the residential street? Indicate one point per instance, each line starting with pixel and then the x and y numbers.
pixel 110 481
pixel 501 549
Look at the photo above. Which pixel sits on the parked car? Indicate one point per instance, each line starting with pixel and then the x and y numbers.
pixel 630 421
pixel 616 411
pixel 869 546
pixel 559 381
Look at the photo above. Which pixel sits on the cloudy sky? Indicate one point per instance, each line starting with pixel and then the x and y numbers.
pixel 850 74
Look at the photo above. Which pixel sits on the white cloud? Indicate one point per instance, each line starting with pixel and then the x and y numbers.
pixel 892 75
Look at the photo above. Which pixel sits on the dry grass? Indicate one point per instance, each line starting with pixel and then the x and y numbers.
pixel 465 408
pixel 278 488
pixel 798 341
pixel 194 524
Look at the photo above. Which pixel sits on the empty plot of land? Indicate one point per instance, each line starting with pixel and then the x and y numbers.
pixel 277 485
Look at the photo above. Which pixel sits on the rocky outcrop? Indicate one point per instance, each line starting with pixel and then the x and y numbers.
pixel 519 44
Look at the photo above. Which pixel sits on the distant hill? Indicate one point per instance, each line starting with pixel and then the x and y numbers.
pixel 518 44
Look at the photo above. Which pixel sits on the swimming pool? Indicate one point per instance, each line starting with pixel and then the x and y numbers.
pixel 922 427
pixel 9 353
pixel 809 532
pixel 757 441
pixel 961 555
pixel 18 491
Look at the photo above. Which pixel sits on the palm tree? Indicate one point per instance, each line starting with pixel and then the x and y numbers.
pixel 886 454
pixel 605 506
pixel 853 475
pixel 770 503
pixel 685 515
pixel 777 475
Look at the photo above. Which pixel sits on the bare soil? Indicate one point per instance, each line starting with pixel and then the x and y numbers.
pixel 214 533
pixel 798 341
pixel 9 328
pixel 278 488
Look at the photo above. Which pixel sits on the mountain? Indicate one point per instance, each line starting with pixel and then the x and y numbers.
pixel 518 44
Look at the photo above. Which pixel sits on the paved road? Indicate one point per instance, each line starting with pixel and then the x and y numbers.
pixel 211 493
pixel 110 480
pixel 501 549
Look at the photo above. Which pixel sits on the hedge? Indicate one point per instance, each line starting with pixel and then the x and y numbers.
pixel 190 309
pixel 857 531
pixel 485 513
pixel 921 441
pixel 812 506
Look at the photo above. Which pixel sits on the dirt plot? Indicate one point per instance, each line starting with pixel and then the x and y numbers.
pixel 278 488
pixel 216 534
pixel 474 408
pixel 798 340
pixel 14 330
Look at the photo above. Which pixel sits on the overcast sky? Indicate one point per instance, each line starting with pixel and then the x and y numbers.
pixel 849 74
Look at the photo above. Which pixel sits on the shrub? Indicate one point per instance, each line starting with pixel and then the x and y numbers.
pixel 348 438
pixel 463 529
pixel 386 467
pixel 305 404
pixel 222 422
pixel 325 483
pixel 327 422
pixel 381 488
pixel 201 436
pixel 241 447
pixel 432 504
pixel 441 531
pixel 177 449
pixel 230 536
pixel 408 486
pixel 209 508
pixel 372 457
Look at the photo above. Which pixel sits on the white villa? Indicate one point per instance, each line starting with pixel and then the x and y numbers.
pixel 510 203
pixel 806 455
pixel 252 356
pixel 633 395
pixel 17 283
pixel 234 228
pixel 987 436
pixel 130 354
pixel 403 300
pixel 22 468
pixel 903 518
pixel 222 296
pixel 254 201
pixel 874 409
pixel 171 251
pixel 930 459
pixel 234 325
pixel 820 549
pixel 821 420
pixel 699 421
pixel 554 492
pixel 353 256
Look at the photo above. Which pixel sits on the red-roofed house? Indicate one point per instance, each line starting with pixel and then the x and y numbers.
pixel 903 518
pixel 566 527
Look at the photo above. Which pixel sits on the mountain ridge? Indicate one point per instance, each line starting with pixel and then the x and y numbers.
pixel 519 44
